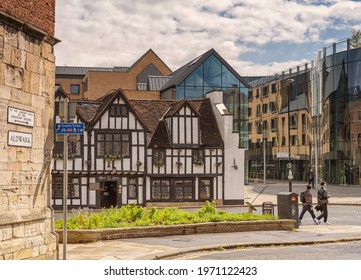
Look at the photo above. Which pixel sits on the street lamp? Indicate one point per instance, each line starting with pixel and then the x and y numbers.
pixel 289 166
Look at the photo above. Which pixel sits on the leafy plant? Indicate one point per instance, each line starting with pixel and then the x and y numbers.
pixel 133 215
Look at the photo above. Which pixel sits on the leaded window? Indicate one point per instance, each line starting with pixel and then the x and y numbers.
pixel 205 189
pixel 198 156
pixel 160 190
pixel 113 144
pixel 159 157
pixel 118 110
pixel 132 188
pixel 183 190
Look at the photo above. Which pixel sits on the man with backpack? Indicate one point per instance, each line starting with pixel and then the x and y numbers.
pixel 306 199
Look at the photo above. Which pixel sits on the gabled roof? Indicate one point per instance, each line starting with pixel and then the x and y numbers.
pixel 61 93
pixel 152 112
pixel 87 110
pixel 177 106
pixel 183 72
pixel 150 51
pixel 82 71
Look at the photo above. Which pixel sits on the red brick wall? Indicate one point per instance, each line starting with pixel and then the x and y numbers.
pixel 39 13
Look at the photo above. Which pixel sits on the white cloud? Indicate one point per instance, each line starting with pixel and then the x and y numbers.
pixel 116 33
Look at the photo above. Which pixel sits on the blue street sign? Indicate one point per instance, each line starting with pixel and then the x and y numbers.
pixel 69 128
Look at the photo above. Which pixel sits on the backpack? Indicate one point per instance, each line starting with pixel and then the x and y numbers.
pixel 302 197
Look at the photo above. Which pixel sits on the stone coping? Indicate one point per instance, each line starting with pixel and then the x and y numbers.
pixel 91 235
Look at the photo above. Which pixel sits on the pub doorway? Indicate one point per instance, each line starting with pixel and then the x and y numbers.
pixel 109 194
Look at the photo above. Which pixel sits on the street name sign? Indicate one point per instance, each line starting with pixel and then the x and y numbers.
pixel 69 128
pixel 20 139
pixel 21 117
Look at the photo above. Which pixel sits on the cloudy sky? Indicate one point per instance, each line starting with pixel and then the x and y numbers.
pixel 256 37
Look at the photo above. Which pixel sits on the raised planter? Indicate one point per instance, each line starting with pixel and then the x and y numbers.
pixel 91 235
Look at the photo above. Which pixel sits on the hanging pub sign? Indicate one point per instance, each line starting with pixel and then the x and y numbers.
pixel 20 139
pixel 21 117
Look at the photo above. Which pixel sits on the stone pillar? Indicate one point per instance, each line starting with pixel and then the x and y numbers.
pixel 27 77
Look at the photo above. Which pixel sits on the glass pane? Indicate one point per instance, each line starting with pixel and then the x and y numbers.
pixel 178 194
pixel 180 92
pixel 100 137
pixel 116 137
pixel 112 110
pixel 117 148
pixel 108 137
pixel 196 78
pixel 212 72
pixel 108 148
pixel 156 193
pixel 187 193
pixel 125 149
pixel 132 191
pixel 228 79
pixel 100 149
pixel 193 92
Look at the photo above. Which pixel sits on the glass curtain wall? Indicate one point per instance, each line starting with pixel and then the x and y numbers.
pixel 337 113
pixel 211 75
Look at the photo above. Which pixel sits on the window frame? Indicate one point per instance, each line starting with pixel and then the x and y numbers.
pixel 76 92
pixel 121 142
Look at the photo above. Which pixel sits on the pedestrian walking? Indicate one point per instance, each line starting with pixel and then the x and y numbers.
pixel 322 199
pixel 307 205
pixel 311 178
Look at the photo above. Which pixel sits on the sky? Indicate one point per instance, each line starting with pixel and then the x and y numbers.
pixel 256 37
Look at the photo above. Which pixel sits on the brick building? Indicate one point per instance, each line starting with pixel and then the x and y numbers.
pixel 27 71
pixel 142 80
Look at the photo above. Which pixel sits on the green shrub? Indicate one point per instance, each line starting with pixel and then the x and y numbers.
pixel 133 215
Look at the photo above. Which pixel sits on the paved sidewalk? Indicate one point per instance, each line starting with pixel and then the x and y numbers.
pixel 171 246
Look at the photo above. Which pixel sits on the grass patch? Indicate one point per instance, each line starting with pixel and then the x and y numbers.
pixel 133 216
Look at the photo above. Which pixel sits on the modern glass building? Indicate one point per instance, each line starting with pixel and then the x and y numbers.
pixel 210 72
pixel 336 113
pixel 309 116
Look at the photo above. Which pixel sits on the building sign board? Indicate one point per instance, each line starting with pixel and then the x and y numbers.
pixel 69 128
pixel 21 117
pixel 20 139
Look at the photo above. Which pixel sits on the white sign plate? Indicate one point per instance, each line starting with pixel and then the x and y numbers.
pixel 21 117
pixel 20 139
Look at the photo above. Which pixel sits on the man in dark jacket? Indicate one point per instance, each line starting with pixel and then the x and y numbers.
pixel 307 206
pixel 311 179
pixel 322 199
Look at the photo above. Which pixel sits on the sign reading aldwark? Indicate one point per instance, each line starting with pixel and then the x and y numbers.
pixel 21 117
pixel 20 139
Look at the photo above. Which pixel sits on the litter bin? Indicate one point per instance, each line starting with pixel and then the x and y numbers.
pixel 268 208
pixel 287 204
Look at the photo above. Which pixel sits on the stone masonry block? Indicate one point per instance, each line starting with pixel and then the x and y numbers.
pixel 13 76
pixel 32 63
pixel 6 232
pixel 15 57
pixel 18 230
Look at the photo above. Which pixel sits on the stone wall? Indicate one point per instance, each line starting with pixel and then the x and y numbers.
pixel 27 77
pixel 84 236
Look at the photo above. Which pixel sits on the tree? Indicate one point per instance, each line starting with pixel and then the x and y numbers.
pixel 356 38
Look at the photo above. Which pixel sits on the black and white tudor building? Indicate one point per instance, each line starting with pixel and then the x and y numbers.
pixel 150 152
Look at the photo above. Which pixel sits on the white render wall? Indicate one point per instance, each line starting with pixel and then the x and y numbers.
pixel 233 155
